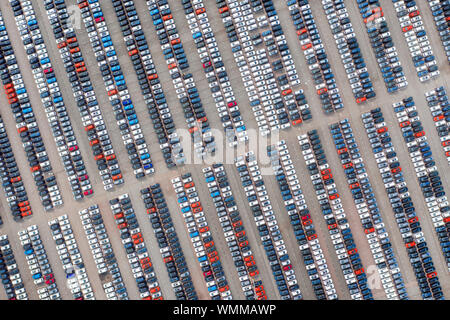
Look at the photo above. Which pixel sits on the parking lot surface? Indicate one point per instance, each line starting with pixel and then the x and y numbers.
pixel 105 195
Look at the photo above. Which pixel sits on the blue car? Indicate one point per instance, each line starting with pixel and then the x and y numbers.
pixel 37 276
pixel 185 209
pixel 111 53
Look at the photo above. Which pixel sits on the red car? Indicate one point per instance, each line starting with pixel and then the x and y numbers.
pixel 207 273
pixel 307 222
pixel 412 220
pixel 301 31
pixel 73 148
pixel 88 192
pixel 410 244
pixel 396 170
pixel 243 244
pixel 354 185
pixel 287 268
pixel 323 90
pixel 414 13
pixel 419 134
pixel 286 92
pixel 347 165
pixel 214 259
pixel 306 217
pixel 332 226
pixel 306 46
pixel 237 224
pixel 240 234
pixel 200 10
pixel 407 28
pixel 405 123
pixel 334 196
pixel 312 237
pixel 231 104
pixel 118 215
pixel 359 100
pixel 196 204
pixel 254 273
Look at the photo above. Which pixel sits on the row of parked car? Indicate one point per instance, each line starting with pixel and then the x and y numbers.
pixel 103 254
pixel 201 237
pixel 369 213
pixel 408 15
pixel 9 272
pixel 267 226
pixel 26 125
pixel 37 260
pixel 237 241
pixel 401 203
pixel 84 94
pixel 315 55
pixel 136 250
pixel 116 88
pixel 301 221
pixel 382 45
pixel 52 99
pixel 334 215
pixel 12 183
pixel 182 80
pixel 278 51
pixel 168 243
pixel 439 105
pixel 70 256
pixel 256 71
pixel 151 89
pixel 216 74
pixel 349 50
pixel 441 11
pixel 426 171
